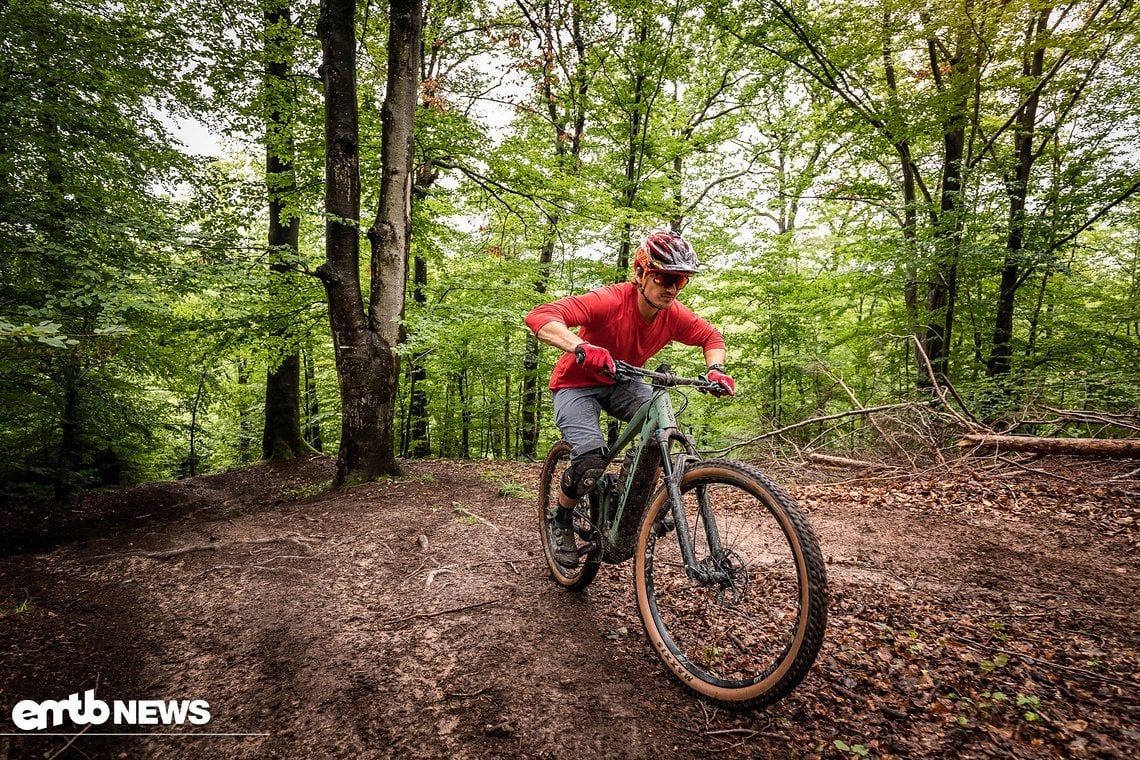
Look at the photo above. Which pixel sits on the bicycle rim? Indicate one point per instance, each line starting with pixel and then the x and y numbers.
pixel 749 636
pixel 585 518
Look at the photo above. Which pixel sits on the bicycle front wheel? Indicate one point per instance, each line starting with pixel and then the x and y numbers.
pixel 742 627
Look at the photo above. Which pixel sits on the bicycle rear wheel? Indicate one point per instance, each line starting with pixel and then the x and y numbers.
pixel 748 632
pixel 585 520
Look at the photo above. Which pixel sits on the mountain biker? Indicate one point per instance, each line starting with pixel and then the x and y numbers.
pixel 629 321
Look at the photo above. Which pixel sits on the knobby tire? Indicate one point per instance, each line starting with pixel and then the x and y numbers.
pixel 585 520
pixel 748 640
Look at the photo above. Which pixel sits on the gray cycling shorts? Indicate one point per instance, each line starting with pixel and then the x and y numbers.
pixel 577 411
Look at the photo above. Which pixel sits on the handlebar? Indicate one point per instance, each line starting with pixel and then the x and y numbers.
pixel 664 378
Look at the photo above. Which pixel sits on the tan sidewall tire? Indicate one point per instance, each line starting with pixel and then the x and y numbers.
pixel 772 687
pixel 589 569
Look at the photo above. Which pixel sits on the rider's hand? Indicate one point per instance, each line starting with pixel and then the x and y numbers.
pixel 726 383
pixel 595 358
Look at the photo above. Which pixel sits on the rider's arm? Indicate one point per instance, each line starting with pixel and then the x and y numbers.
pixel 714 356
pixel 593 358
pixel 556 334
pixel 551 322
pixel 714 360
pixel 698 332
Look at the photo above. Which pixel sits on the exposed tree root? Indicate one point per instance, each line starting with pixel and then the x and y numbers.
pixel 208 547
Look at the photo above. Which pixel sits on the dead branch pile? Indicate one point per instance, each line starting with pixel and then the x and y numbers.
pixel 914 434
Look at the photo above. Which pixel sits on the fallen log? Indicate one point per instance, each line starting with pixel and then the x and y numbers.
pixel 834 461
pixel 1115 448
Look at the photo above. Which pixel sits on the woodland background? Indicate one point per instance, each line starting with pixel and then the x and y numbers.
pixel 895 201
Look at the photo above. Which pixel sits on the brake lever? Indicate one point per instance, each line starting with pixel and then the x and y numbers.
pixel 709 387
pixel 580 356
pixel 616 374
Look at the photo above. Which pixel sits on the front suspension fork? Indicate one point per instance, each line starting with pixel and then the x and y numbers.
pixel 673 469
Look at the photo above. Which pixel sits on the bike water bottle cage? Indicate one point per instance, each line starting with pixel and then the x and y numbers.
pixel 583 473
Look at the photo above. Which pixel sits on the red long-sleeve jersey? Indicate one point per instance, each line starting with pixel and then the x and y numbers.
pixel 609 317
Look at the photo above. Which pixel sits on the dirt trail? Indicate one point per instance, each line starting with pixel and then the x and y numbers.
pixel 413 618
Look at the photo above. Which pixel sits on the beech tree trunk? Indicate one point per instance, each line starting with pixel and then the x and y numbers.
pixel 360 366
pixel 368 366
pixel 312 427
pixel 1017 189
pixel 281 436
pixel 69 453
pixel 1116 448
pixel 390 235
pixel 416 440
pixel 942 290
pixel 922 315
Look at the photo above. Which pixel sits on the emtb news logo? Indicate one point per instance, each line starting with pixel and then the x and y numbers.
pixel 29 715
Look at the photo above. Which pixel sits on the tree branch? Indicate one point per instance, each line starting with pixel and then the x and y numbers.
pixel 816 420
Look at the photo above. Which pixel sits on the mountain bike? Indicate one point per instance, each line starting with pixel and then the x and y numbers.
pixel 729 578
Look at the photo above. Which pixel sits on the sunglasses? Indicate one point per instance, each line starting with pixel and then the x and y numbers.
pixel 669 280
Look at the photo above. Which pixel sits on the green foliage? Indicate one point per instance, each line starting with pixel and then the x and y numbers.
pixel 987 701
pixel 801 230
pixel 513 490
pixel 1031 701
pixel 855 749
pixel 140 308
pixel 20 609
pixel 86 240
pixel 304 492
pixel 133 303
pixel 999 661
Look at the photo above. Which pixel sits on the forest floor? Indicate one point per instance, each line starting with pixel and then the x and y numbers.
pixel 976 611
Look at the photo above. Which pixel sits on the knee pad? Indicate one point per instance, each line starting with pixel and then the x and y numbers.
pixel 582 475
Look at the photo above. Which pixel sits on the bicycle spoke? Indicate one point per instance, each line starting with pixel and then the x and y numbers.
pixel 737 618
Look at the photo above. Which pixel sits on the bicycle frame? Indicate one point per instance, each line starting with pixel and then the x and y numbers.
pixel 655 423
pixel 753 572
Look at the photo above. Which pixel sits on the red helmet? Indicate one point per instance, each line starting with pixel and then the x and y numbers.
pixel 665 251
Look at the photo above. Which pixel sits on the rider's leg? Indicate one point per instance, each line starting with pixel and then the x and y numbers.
pixel 625 397
pixel 579 479
pixel 577 413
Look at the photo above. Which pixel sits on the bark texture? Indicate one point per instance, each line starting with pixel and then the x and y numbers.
pixel 365 340
pixel 281 436
pixel 1116 448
